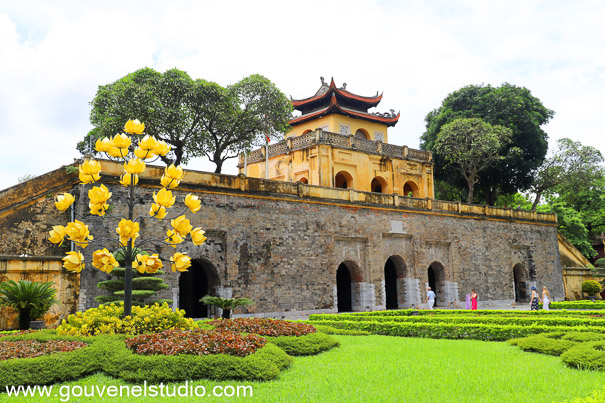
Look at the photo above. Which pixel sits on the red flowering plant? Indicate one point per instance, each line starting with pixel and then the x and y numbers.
pixel 35 348
pixel 196 342
pixel 263 326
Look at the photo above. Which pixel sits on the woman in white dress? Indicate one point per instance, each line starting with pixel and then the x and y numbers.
pixel 545 298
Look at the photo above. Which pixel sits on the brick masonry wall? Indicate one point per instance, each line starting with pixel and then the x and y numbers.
pixel 283 251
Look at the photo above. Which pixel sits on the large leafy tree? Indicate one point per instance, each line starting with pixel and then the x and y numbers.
pixel 509 106
pixel 571 164
pixel 196 117
pixel 470 146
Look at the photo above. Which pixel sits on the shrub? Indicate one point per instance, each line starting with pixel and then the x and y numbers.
pixel 591 287
pixel 109 319
pixel 226 304
pixel 263 326
pixel 32 299
pixel 334 330
pixel 584 336
pixel 545 345
pixel 600 262
pixel 584 304
pixel 197 342
pixel 309 344
pixel 35 348
pixel 589 355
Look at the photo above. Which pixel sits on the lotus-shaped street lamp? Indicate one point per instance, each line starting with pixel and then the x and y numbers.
pixel 134 148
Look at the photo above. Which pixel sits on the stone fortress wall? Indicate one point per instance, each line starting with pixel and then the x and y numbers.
pixel 282 244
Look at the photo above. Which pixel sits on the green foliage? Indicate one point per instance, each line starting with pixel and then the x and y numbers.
pixel 109 319
pixel 509 106
pixel 600 262
pixel 589 355
pixel 226 304
pixel 591 287
pixel 110 355
pixel 470 145
pixel 196 117
pixel 544 345
pixel 583 304
pixel 31 299
pixel 309 344
pixel 334 330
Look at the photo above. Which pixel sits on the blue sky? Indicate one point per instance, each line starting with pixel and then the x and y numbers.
pixel 53 55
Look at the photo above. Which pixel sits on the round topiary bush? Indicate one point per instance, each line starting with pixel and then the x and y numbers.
pixel 591 287
pixel 600 262
pixel 109 319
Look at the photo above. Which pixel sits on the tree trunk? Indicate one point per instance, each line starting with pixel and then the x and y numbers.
pixel 471 190
pixel 226 313
pixel 219 166
pixel 536 200
pixel 24 318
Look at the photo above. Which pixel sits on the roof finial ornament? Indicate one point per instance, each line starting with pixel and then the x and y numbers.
pixel 344 86
pixel 322 81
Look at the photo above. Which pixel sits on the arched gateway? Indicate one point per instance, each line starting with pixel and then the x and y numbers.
pixel 199 280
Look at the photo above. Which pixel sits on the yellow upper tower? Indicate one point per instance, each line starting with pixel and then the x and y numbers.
pixel 337 142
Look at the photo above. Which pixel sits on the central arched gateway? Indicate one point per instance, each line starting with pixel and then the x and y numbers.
pixel 394 288
pixel 436 275
pixel 199 280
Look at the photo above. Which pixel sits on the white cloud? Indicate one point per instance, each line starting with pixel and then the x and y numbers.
pixel 55 54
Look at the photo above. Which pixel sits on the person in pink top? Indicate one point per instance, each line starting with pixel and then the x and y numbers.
pixel 473 300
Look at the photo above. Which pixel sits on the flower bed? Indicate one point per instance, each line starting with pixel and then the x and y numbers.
pixel 263 326
pixel 35 348
pixel 16 332
pixel 196 342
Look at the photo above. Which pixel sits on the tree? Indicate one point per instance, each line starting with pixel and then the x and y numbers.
pixel 570 163
pixel 509 106
pixel 195 117
pixel 226 304
pixel 31 299
pixel 471 145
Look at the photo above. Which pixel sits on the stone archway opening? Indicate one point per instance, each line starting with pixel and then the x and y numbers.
pixel 520 283
pixel 436 276
pixel 410 189
pixel 199 280
pixel 394 287
pixel 362 134
pixel 303 180
pixel 347 290
pixel 379 185
pixel 343 180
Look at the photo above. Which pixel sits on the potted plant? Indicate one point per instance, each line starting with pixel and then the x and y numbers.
pixel 591 287
pixel 32 299
pixel 226 304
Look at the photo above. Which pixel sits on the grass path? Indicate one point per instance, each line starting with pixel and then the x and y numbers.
pixel 391 369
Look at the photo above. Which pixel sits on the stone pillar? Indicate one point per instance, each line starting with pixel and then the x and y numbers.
pixel 175 298
pixel 363 297
pixel 451 293
pixel 412 293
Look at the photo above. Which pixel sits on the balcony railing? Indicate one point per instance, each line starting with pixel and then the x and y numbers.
pixel 341 141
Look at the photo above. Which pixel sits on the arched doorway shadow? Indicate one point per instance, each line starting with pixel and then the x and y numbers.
pixel 348 278
pixel 394 282
pixel 199 280
pixel 520 283
pixel 410 189
pixel 343 180
pixel 436 276
pixel 379 185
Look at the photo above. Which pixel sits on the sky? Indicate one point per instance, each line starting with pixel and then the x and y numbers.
pixel 54 55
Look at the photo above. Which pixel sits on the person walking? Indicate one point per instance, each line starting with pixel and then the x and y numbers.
pixel 534 300
pixel 473 300
pixel 545 298
pixel 430 298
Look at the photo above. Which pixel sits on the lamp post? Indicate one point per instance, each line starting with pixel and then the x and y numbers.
pixel 133 148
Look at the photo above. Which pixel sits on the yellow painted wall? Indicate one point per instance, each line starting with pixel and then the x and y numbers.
pixel 320 165
pixel 331 123
pixel 66 283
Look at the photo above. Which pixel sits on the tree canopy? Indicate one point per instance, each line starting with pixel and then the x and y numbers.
pixel 470 146
pixel 196 117
pixel 509 106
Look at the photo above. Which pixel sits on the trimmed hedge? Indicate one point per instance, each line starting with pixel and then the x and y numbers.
pixel 108 353
pixel 451 331
pixel 584 304
pixel 588 355
pixel 333 330
pixel 545 345
pixel 466 313
pixel 310 344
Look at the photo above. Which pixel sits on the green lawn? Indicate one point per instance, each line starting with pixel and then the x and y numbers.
pixel 389 369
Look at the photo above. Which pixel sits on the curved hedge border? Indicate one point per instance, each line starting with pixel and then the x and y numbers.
pixel 310 344
pixel 333 330
pixel 460 319
pixel 588 355
pixel 108 353
pixel 585 304
pixel 466 313
pixel 452 331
